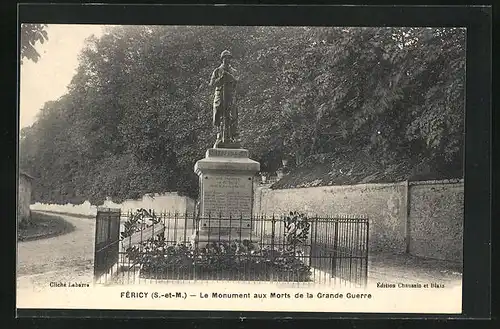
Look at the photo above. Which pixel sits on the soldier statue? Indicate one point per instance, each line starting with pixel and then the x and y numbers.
pixel 225 113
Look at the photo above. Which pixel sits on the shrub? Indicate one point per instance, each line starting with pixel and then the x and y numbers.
pixel 297 229
pixel 139 220
pixel 225 260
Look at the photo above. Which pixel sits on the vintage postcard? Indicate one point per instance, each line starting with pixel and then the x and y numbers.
pixel 241 168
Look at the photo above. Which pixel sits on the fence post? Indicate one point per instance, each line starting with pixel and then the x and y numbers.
pixel 316 238
pixel 335 248
pixel 407 217
pixel 273 223
pixel 96 241
pixel 311 250
pixel 185 226
pixel 106 245
pixel 367 249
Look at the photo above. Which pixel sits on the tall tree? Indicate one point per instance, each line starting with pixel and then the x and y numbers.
pixel 137 115
pixel 31 34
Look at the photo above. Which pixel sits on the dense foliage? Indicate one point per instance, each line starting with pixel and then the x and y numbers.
pixel 137 115
pixel 31 34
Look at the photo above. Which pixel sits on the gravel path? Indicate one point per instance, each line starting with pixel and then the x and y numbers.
pixel 67 257
pixel 394 268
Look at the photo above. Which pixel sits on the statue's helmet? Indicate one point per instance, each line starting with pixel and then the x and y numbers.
pixel 226 53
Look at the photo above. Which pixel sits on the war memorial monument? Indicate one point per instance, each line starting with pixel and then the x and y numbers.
pixel 226 173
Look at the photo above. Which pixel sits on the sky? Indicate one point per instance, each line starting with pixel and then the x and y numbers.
pixel 48 79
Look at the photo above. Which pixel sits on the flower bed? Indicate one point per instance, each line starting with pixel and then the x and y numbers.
pixel 221 261
pixel 234 260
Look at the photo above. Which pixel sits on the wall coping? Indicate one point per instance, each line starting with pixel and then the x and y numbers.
pixel 436 182
pixel 342 186
pixel 429 182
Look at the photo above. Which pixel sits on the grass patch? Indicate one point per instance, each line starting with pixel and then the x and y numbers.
pixel 43 226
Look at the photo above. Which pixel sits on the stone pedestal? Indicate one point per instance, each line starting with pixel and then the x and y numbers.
pixel 226 194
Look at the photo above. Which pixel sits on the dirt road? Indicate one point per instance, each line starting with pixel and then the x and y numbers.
pixel 67 257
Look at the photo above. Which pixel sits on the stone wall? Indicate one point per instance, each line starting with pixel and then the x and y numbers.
pixel 383 204
pixel 436 220
pixel 169 202
pixel 24 198
pixel 425 219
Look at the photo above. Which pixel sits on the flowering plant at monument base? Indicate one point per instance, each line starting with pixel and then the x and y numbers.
pixel 270 260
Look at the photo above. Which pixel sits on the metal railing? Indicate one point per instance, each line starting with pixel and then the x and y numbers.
pixel 290 248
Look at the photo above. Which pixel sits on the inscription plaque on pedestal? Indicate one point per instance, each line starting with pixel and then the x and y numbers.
pixel 228 197
pixel 226 194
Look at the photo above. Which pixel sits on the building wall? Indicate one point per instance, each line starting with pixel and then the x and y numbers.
pixel 168 202
pixel 24 195
pixel 425 219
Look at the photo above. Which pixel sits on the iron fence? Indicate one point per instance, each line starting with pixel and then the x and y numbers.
pixel 107 242
pixel 159 247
